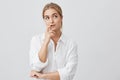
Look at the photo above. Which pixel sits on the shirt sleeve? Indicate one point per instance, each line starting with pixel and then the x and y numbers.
pixel 68 72
pixel 35 63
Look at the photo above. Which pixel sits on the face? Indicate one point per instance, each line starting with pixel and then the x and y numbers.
pixel 52 19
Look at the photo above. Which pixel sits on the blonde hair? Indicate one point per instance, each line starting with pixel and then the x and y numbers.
pixel 53 6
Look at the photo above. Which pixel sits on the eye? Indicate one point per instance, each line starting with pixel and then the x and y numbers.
pixel 55 16
pixel 46 17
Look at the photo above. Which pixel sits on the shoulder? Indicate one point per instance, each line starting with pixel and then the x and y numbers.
pixel 70 42
pixel 37 37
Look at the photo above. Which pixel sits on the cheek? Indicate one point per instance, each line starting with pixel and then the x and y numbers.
pixel 46 23
pixel 59 22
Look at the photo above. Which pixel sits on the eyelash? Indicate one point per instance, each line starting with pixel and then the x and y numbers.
pixel 54 16
pixel 46 18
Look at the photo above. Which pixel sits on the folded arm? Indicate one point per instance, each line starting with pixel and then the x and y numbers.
pixel 65 73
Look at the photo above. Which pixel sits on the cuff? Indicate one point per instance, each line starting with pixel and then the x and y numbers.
pixel 61 74
pixel 38 66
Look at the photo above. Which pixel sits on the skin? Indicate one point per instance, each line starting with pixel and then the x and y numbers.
pixel 53 31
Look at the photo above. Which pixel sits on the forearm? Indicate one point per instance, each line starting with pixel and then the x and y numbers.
pixel 52 75
pixel 43 52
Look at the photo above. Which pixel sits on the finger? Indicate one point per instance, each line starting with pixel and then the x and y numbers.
pixel 31 74
pixel 48 28
pixel 35 76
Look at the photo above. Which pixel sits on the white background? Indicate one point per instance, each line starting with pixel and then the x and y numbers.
pixel 93 24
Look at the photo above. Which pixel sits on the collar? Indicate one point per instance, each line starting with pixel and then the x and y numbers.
pixel 61 39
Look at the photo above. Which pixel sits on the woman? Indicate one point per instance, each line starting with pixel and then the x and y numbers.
pixel 52 55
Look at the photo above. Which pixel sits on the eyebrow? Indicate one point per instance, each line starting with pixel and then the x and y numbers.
pixel 53 14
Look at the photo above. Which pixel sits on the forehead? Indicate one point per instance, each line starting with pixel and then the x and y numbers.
pixel 50 11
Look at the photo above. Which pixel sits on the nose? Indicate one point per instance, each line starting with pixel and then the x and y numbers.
pixel 51 20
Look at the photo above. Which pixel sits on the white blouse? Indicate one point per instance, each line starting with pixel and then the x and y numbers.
pixel 64 59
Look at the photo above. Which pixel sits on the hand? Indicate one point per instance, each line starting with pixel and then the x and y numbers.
pixel 36 74
pixel 49 34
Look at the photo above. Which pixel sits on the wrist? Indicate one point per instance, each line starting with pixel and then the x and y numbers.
pixel 46 41
pixel 45 76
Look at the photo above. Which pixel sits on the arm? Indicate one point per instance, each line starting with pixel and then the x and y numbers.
pixel 35 63
pixel 67 72
pixel 50 75
pixel 38 56
pixel 44 49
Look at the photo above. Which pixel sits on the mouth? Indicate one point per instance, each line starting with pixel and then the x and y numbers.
pixel 52 25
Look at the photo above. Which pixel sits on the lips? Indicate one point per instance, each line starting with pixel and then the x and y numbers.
pixel 52 25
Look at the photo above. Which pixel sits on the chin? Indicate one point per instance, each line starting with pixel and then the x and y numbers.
pixel 53 29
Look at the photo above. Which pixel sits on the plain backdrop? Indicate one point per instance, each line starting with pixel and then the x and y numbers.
pixel 93 24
